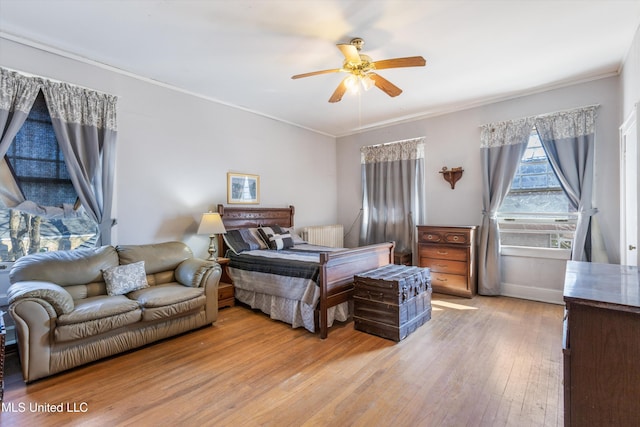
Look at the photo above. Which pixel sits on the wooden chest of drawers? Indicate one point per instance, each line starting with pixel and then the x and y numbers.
pixel 601 345
pixel 450 253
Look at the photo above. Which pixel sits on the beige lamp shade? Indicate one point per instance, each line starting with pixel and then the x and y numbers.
pixel 211 224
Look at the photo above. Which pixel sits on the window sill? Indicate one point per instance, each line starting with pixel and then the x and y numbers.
pixel 531 252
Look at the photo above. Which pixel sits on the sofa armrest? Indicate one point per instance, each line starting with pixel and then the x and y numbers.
pixel 194 271
pixel 54 295
pixel 197 272
pixel 35 321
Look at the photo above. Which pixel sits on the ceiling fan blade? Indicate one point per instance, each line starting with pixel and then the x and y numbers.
pixel 350 52
pixel 315 73
pixel 410 61
pixel 339 92
pixel 385 85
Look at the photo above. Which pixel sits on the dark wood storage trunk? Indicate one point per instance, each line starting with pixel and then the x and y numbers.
pixel 392 301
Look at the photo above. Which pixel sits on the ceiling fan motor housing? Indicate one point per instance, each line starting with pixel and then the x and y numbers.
pixel 365 65
pixel 357 42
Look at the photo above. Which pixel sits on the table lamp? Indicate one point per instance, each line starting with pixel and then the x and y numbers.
pixel 211 224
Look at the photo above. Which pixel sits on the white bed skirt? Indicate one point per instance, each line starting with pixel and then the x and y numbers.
pixel 296 313
pixel 288 299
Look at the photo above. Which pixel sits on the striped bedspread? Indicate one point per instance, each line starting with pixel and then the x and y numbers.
pixel 301 261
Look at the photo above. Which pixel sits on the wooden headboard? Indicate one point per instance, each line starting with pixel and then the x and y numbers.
pixel 246 217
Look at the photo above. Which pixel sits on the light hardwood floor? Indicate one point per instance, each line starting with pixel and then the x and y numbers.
pixel 486 361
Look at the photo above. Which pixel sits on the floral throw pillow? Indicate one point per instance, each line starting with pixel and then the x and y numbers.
pixel 122 279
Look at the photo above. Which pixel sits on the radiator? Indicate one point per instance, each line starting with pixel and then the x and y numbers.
pixel 325 235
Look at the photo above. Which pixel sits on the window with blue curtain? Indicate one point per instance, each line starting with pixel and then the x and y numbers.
pixel 43 222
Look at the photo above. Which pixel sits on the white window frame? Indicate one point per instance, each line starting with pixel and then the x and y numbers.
pixel 557 224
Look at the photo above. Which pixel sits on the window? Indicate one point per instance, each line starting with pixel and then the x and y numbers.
pixel 536 212
pixel 37 161
pixel 40 171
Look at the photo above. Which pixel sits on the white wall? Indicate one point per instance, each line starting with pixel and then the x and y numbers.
pixel 454 140
pixel 630 78
pixel 174 150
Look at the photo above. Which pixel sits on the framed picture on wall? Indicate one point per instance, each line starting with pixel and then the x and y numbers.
pixel 243 188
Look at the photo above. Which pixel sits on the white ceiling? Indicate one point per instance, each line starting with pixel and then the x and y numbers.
pixel 244 52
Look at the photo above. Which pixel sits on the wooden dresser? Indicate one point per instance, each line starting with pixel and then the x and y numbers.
pixel 226 290
pixel 601 347
pixel 450 253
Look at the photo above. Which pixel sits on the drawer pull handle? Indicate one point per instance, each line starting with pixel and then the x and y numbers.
pixel 443 252
pixel 441 279
pixel 455 237
pixel 441 265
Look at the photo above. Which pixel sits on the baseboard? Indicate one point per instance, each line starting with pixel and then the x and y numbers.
pixel 536 294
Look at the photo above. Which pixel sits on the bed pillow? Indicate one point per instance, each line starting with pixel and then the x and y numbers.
pixel 297 240
pixel 253 238
pixel 235 241
pixel 122 279
pixel 276 238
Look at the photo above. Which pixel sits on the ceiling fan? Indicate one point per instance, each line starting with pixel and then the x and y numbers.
pixel 361 70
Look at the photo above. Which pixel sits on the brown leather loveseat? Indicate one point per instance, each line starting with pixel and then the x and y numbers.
pixel 74 307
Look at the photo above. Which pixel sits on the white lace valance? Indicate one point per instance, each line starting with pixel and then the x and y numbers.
pixel 554 126
pixel 410 149
pixel 74 104
pixel 17 91
pixel 567 124
pixel 69 103
pixel 506 133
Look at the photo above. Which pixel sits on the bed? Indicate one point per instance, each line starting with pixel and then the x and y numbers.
pixel 326 277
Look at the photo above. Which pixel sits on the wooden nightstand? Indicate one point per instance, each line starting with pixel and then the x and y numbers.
pixel 225 288
pixel 402 258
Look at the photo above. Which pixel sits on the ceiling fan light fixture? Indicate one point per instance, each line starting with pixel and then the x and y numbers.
pixel 352 83
pixel 367 82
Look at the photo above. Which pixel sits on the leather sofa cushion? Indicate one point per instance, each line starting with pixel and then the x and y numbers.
pixel 93 328
pixel 97 315
pixel 163 295
pixel 168 300
pixel 174 310
pixel 65 268
pixel 157 257
pixel 100 307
